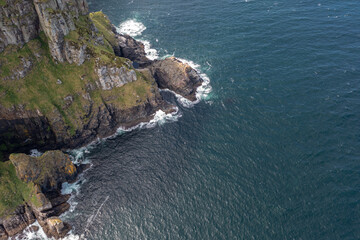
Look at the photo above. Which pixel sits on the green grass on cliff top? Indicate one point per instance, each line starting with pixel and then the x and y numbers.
pixel 13 192
pixel 39 90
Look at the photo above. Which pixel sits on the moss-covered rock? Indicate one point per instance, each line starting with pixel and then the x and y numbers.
pixel 48 171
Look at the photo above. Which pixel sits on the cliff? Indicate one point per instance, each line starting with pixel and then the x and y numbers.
pixel 66 78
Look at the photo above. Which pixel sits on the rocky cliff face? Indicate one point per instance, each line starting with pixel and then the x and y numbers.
pixel 19 23
pixel 57 19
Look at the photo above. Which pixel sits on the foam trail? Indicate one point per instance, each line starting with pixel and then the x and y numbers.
pixel 160 117
pixel 93 217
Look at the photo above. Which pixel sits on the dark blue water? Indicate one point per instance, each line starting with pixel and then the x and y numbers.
pixel 273 153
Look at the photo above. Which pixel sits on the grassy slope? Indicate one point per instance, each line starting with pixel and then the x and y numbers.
pixel 13 191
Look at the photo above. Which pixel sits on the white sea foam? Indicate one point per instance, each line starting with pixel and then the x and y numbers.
pixel 160 117
pixel 30 234
pixel 151 53
pixel 35 153
pixel 131 27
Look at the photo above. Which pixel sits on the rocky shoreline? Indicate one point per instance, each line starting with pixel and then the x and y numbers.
pixel 117 86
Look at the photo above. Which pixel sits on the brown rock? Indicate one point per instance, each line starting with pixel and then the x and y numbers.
pixel 176 76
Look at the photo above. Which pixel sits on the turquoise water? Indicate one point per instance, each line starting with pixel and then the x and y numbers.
pixel 274 150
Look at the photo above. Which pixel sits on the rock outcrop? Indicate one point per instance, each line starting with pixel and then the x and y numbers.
pixel 112 77
pixel 177 76
pixel 48 171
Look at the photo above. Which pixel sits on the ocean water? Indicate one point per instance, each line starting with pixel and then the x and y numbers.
pixel 272 151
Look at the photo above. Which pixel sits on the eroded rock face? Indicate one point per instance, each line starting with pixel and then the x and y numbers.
pixel 19 23
pixel 57 20
pixel 48 171
pixel 177 76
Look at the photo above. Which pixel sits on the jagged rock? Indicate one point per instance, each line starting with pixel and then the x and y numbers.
pixel 177 76
pixel 111 77
pixel 131 49
pixel 57 20
pixel 19 23
pixel 18 221
pixel 48 171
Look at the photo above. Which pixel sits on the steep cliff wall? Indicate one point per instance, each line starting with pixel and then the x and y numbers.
pixel 19 23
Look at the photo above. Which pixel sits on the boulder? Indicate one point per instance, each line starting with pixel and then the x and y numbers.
pixel 176 76
pixel 48 171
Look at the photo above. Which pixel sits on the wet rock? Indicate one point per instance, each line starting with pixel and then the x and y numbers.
pixel 3 234
pixel 131 49
pixel 56 228
pixel 177 76
pixel 49 171
pixel 34 228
